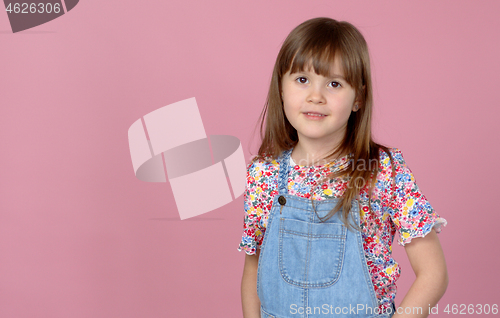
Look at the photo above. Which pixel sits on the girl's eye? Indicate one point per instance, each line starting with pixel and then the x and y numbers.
pixel 301 80
pixel 304 80
pixel 335 84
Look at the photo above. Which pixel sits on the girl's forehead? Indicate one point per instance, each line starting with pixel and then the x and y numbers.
pixel 323 67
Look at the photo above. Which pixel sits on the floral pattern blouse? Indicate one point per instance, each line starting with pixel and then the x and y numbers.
pixel 399 207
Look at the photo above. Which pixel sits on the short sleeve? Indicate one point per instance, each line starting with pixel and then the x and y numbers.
pixel 411 213
pixel 253 229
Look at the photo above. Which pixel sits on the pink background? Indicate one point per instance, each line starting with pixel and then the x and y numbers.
pixel 80 236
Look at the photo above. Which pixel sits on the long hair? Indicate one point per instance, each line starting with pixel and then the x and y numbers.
pixel 317 41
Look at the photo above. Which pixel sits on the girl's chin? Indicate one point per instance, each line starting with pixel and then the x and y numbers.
pixel 315 137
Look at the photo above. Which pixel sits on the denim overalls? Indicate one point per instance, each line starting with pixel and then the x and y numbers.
pixel 309 268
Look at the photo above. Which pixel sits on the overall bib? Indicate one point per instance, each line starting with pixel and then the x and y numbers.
pixel 308 268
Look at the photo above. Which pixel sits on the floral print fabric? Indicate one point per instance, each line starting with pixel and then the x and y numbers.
pixel 399 207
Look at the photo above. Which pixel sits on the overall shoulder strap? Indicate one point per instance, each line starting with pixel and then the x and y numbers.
pixel 284 167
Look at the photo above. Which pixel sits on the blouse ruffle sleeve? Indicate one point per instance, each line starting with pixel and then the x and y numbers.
pixel 411 213
pixel 253 230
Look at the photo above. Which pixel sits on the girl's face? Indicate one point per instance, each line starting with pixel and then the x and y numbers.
pixel 318 107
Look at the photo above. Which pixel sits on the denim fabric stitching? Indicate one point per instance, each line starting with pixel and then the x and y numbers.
pixel 305 300
pixel 262 249
pixel 266 314
pixel 308 255
pixel 338 262
pixel 333 226
pixel 366 271
pixel 313 236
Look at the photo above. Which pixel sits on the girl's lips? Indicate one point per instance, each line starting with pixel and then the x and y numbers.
pixel 314 116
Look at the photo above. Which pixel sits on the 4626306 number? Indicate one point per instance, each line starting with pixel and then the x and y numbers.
pixel 33 8
pixel 463 309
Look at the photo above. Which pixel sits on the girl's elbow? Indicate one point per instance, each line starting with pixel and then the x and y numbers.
pixel 435 279
pixel 440 281
pixel 445 281
pixel 443 276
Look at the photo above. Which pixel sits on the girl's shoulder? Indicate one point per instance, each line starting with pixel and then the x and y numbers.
pixel 386 166
pixel 395 153
pixel 398 171
pixel 262 164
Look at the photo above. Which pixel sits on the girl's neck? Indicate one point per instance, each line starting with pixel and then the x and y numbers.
pixel 311 155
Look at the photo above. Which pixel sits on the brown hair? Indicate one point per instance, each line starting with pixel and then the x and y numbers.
pixel 318 40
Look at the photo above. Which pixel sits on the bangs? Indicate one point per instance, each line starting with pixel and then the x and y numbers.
pixel 320 60
pixel 317 49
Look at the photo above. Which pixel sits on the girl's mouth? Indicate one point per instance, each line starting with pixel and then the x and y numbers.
pixel 314 115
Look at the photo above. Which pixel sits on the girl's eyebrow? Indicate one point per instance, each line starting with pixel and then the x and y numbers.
pixel 337 76
pixel 332 76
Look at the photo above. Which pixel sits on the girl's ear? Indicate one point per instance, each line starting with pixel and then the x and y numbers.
pixel 355 105
pixel 357 102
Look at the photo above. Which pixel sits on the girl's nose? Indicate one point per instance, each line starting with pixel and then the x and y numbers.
pixel 316 96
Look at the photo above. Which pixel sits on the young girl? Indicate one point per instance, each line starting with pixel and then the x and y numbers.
pixel 324 201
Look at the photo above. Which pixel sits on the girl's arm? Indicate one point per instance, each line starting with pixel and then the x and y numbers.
pixel 428 263
pixel 249 298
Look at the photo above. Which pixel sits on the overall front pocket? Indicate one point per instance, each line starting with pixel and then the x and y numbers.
pixel 311 254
